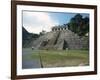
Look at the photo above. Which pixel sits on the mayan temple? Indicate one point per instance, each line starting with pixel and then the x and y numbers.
pixel 60 38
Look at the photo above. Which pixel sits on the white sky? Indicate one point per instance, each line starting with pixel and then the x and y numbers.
pixel 35 22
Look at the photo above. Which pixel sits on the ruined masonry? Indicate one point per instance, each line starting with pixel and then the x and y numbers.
pixel 60 38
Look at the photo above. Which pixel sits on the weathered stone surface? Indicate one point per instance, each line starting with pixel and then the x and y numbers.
pixel 60 40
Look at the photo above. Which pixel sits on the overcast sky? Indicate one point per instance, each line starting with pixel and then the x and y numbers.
pixel 35 22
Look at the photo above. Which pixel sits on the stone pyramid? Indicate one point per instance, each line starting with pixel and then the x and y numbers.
pixel 60 40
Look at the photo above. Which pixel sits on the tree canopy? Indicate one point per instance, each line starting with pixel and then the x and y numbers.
pixel 79 25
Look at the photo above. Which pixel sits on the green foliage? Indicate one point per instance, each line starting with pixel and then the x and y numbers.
pixel 79 25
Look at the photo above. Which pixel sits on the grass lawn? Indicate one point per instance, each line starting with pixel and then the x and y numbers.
pixel 62 58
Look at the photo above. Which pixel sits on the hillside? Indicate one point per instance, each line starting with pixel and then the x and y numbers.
pixel 28 38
